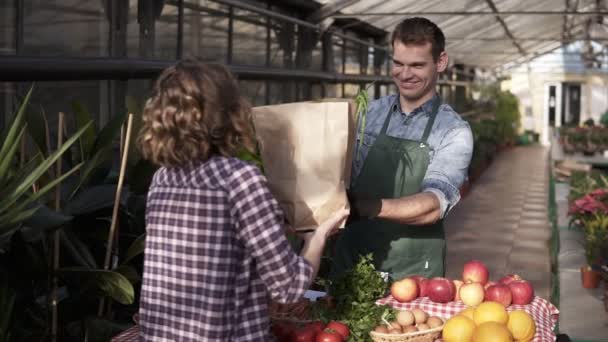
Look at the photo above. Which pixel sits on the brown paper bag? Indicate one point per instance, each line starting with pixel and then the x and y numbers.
pixel 306 149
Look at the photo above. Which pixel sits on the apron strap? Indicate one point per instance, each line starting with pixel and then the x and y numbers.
pixel 429 125
pixel 388 116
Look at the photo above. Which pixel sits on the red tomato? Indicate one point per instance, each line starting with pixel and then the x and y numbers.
pixel 316 326
pixel 305 334
pixel 329 336
pixel 340 328
pixel 283 331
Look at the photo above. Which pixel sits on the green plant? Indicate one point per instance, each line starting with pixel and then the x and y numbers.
pixel 507 116
pixel 582 183
pixel 589 122
pixel 87 197
pixel 591 214
pixel 604 119
pixel 18 202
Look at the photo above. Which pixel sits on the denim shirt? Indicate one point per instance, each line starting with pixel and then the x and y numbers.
pixel 450 142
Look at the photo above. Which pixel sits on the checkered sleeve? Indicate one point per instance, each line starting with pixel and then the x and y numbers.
pixel 259 222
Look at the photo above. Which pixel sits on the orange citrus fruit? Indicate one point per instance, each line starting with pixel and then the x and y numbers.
pixel 490 312
pixel 492 332
pixel 521 325
pixel 459 328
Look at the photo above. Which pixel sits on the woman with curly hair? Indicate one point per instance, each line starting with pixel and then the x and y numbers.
pixel 215 247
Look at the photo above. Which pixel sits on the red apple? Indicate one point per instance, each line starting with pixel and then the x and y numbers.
pixel 475 271
pixel 488 284
pixel 499 293
pixel 418 278
pixel 521 291
pixel 405 290
pixel 421 281
pixel 471 294
pixel 441 290
pixel 509 278
pixel 457 285
pixel 424 288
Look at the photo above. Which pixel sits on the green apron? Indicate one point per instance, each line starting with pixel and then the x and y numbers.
pixel 394 168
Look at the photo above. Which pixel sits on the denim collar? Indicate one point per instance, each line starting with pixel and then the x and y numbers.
pixel 425 108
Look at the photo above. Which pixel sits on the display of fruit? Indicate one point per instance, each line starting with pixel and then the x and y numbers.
pixel 489 322
pixel 471 294
pixel 441 290
pixel 499 293
pixel 405 290
pixel 490 312
pixel 475 271
pixel 522 292
pixel 492 332
pixel 521 325
pixel 459 328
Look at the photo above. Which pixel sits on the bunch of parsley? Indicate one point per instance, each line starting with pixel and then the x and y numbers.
pixel 355 294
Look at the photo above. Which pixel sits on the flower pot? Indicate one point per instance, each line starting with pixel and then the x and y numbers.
pixel 590 278
pixel 606 296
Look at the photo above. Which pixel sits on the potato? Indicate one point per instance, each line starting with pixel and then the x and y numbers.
pixel 434 322
pixel 381 329
pixel 395 331
pixel 410 329
pixel 405 318
pixel 422 326
pixel 419 316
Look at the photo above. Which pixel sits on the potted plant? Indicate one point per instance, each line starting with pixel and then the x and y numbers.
pixel 602 269
pixel 591 214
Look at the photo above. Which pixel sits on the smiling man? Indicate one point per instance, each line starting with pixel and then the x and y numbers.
pixel 413 157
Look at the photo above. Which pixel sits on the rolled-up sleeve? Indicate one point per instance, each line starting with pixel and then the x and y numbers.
pixel 259 220
pixel 448 167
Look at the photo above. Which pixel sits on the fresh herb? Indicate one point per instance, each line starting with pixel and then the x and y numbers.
pixel 362 101
pixel 355 294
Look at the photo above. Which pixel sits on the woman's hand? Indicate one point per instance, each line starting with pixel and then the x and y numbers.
pixel 314 242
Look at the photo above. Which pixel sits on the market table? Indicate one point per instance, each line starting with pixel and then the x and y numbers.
pixel 544 313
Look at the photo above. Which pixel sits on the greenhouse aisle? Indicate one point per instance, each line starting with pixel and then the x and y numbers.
pixel 503 221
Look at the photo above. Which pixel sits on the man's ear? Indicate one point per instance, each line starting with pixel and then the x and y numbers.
pixel 442 62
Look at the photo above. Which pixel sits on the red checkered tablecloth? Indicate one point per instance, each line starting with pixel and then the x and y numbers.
pixel 544 313
pixel 129 335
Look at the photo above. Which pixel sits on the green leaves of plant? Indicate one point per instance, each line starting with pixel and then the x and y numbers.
pixel 109 283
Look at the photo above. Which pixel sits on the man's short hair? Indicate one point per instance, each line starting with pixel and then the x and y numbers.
pixel 419 31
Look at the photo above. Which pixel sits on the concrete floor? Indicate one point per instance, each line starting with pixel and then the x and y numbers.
pixel 503 221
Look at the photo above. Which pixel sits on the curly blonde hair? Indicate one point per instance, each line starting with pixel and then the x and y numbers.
pixel 195 112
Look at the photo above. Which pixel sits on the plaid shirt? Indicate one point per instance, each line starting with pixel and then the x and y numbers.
pixel 215 252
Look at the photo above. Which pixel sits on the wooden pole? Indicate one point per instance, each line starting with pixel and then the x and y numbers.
pixel 113 224
pixel 56 236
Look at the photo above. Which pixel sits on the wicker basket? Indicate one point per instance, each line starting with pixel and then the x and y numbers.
pixel 429 335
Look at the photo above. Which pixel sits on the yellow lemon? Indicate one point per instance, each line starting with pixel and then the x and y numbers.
pixel 521 325
pixel 459 328
pixel 490 312
pixel 492 332
pixel 468 312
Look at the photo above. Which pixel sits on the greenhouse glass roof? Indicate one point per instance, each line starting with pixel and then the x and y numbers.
pixel 487 33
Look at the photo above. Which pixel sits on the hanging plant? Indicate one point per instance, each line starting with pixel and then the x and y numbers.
pixel 362 101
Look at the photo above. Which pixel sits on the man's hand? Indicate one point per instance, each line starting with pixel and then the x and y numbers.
pixel 363 206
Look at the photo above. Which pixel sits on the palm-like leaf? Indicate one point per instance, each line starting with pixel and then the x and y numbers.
pixel 16 203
